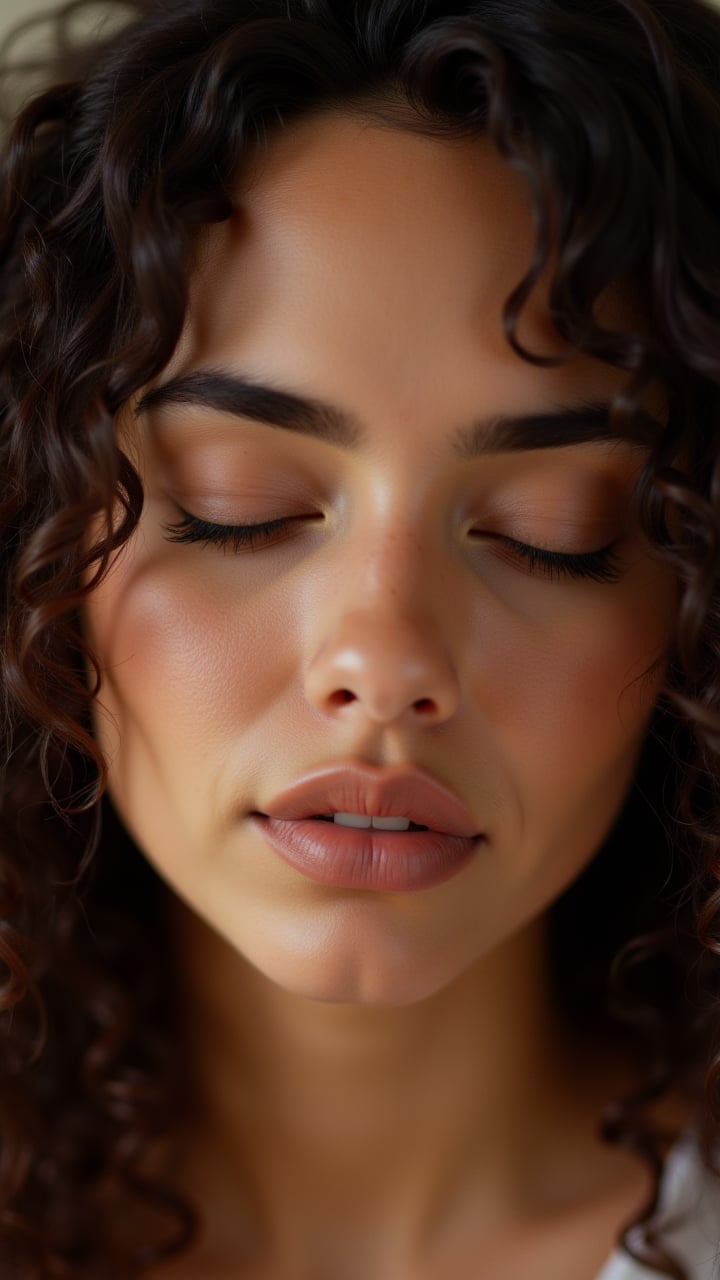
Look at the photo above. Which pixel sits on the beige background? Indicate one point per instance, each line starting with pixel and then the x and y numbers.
pixel 12 11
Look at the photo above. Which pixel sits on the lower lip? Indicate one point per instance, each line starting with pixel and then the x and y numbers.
pixel 364 858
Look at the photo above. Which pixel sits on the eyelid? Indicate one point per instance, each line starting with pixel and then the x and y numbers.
pixel 600 566
pixel 192 528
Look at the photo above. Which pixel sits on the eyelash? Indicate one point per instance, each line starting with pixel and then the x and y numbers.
pixel 236 537
pixel 595 566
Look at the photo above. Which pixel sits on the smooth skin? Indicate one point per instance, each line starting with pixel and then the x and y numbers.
pixel 384 1087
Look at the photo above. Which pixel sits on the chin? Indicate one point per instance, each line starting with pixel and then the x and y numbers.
pixel 383 992
pixel 371 977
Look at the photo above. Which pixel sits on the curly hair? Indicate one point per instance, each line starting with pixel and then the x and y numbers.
pixel 610 112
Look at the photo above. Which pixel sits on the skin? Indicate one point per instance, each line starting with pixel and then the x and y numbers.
pixel 400 1050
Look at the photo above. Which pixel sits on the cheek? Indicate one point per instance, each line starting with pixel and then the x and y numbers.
pixel 568 702
pixel 186 665
pixel 593 686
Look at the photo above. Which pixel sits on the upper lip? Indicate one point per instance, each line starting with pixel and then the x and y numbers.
pixel 362 788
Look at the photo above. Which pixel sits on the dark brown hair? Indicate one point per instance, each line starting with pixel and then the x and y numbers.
pixel 610 111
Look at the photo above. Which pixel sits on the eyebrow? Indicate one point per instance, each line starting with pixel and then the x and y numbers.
pixel 585 422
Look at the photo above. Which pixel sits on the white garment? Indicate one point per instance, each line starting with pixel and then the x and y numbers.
pixel 688 1190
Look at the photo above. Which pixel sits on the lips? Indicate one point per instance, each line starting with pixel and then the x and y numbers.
pixel 442 839
pixel 382 793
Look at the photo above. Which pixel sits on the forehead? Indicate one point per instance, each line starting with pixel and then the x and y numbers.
pixel 391 196
pixel 338 200
pixel 388 252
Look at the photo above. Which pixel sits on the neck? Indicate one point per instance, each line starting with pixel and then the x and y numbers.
pixel 316 1114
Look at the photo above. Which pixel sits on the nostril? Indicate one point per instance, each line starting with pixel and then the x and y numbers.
pixel 341 697
pixel 423 705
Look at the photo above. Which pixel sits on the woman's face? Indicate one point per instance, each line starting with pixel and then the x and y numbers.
pixel 398 621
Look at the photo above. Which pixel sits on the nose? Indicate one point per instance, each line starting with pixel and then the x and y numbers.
pixel 386 662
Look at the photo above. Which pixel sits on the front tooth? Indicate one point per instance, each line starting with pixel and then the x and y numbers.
pixel 364 820
pixel 352 819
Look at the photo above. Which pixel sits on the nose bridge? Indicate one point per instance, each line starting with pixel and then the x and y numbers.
pixel 382 643
pixel 389 565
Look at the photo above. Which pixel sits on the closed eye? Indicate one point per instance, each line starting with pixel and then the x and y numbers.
pixel 233 537
pixel 596 566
